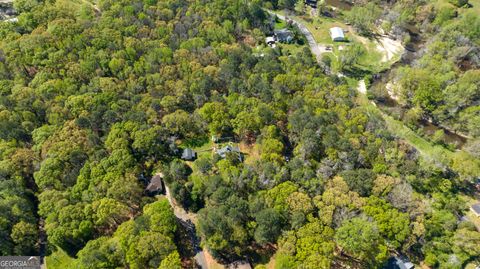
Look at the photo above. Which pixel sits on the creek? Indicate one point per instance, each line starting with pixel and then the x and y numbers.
pixel 390 105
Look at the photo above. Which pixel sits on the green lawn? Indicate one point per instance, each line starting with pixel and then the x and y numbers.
pixel 60 260
pixel 279 24
pixel 290 49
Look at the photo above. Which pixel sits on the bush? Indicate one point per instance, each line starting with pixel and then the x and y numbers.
pixel 458 3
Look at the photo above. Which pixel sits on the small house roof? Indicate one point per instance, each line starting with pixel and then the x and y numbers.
pixel 337 33
pixel 270 39
pixel 398 263
pixel 228 148
pixel 188 154
pixel 476 208
pixel 155 184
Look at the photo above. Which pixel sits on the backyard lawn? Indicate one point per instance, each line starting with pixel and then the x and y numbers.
pixel 59 260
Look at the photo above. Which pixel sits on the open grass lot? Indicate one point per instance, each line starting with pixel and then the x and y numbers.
pixel 291 49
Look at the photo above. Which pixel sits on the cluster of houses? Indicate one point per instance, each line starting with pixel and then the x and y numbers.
pixel 156 185
pixel 189 154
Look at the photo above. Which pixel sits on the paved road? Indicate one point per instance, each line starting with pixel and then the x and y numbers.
pixel 314 47
pixel 187 220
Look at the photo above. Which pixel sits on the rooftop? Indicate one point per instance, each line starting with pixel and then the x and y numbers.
pixel 476 208
pixel 398 263
pixel 337 33
pixel 228 148
pixel 155 184
pixel 188 154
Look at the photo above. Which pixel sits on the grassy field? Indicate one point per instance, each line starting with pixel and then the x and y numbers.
pixel 290 49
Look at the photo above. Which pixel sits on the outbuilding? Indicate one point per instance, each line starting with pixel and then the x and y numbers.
pixel 189 154
pixel 155 186
pixel 476 209
pixel 337 34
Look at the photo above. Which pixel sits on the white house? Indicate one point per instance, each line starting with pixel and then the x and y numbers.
pixel 337 34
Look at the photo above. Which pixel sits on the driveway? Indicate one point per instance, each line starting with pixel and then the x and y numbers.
pixel 187 220
pixel 314 47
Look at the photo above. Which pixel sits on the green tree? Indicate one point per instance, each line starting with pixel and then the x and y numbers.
pixel 361 239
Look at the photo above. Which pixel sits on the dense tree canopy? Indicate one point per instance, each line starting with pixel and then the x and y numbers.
pixel 97 99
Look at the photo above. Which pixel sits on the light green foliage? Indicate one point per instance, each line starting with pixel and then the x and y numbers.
pixel 312 246
pixel 361 239
pixel 363 17
pixel 392 224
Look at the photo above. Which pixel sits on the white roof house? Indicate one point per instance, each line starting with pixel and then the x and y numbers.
pixel 337 34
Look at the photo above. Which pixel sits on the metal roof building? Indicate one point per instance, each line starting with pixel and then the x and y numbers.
pixel 337 34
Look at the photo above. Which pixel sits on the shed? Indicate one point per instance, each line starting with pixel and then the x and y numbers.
pixel 398 263
pixel 155 186
pixel 337 34
pixel 476 209
pixel 189 154
pixel 283 35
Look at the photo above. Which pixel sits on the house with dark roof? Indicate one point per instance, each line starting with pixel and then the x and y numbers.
pixel 283 35
pixel 189 154
pixel 312 3
pixel 476 209
pixel 155 186
pixel 398 263
pixel 229 149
